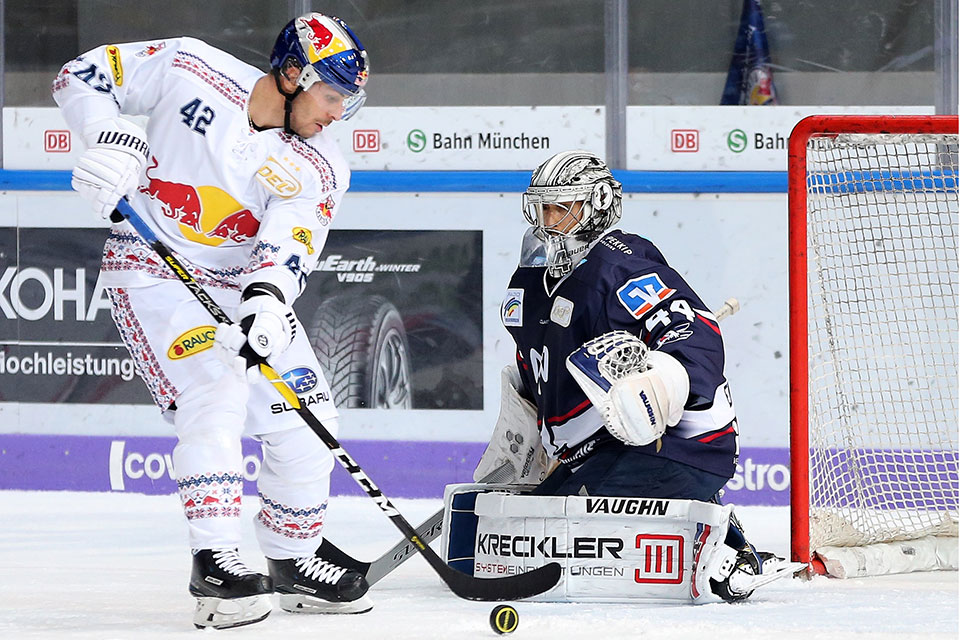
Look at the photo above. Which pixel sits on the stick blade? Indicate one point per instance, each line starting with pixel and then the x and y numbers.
pixel 524 585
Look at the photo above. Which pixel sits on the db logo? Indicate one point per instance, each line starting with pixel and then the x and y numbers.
pixel 366 140
pixel 684 140
pixel 56 141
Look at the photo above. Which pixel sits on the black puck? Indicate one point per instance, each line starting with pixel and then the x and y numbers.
pixel 504 619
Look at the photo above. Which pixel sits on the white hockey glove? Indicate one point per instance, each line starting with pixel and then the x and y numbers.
pixel 110 168
pixel 228 341
pixel 638 392
pixel 266 324
pixel 515 439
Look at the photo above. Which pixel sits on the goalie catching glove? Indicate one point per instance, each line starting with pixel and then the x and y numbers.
pixel 267 325
pixel 110 168
pixel 638 392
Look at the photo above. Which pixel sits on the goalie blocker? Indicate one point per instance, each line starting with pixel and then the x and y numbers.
pixel 611 549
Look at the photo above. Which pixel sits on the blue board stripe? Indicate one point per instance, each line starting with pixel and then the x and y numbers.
pixel 484 181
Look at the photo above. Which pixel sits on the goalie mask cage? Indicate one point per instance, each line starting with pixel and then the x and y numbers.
pixel 873 271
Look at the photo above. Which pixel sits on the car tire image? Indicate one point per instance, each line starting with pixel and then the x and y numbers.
pixel 362 347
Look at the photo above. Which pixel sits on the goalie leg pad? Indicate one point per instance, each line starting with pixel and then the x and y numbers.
pixel 611 549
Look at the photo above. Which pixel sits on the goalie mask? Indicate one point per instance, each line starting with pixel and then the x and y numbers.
pixel 572 199
pixel 325 50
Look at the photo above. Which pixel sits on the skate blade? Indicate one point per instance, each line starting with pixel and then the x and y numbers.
pixel 221 613
pixel 745 583
pixel 294 603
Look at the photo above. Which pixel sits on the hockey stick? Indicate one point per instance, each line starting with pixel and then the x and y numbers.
pixel 429 529
pixel 513 587
pixel 729 307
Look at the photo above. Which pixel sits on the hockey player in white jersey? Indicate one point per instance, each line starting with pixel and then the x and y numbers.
pixel 237 174
pixel 619 374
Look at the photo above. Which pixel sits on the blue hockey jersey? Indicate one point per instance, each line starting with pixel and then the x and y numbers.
pixel 623 283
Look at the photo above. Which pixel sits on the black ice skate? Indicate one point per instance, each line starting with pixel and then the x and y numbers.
pixel 228 593
pixel 753 569
pixel 315 585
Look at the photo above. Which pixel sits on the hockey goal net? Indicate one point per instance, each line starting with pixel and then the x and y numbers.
pixel 873 277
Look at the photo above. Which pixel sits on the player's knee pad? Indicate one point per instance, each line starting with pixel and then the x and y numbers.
pixel 611 549
pixel 295 456
pixel 212 413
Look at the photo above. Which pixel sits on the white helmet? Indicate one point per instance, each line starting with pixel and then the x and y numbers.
pixel 563 181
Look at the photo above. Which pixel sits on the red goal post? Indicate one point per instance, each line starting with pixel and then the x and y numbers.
pixel 872 241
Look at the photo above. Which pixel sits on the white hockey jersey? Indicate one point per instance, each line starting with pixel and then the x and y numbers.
pixel 229 200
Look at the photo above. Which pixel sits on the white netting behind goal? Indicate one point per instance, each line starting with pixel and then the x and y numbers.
pixel 882 286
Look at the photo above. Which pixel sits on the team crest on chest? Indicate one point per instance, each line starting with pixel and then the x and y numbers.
pixel 511 311
pixel 562 311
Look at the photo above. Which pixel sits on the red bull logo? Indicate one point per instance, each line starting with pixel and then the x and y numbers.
pixel 302 524
pixel 320 35
pixel 323 41
pixel 205 214
pixel 239 227
pixel 151 49
pixel 760 86
pixel 362 77
pixel 325 211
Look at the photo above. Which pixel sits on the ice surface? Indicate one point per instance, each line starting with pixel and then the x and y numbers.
pixel 115 566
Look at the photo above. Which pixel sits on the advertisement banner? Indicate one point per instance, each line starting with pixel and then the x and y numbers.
pixel 402 469
pixel 729 138
pixel 402 304
pixel 659 138
pixel 376 139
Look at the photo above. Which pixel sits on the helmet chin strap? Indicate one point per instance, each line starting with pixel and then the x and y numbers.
pixel 287 102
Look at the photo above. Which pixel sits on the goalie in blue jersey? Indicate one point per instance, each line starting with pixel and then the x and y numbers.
pixel 619 379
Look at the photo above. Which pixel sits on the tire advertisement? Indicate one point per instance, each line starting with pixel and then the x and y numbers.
pixel 393 317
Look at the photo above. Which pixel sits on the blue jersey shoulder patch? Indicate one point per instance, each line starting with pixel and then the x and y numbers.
pixel 640 295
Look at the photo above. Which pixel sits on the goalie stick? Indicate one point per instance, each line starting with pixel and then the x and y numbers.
pixel 429 529
pixel 514 587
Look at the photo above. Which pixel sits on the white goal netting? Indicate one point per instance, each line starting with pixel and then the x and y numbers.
pixel 882 315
